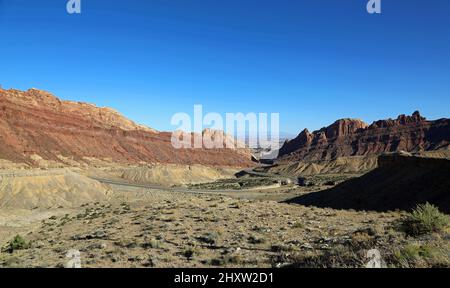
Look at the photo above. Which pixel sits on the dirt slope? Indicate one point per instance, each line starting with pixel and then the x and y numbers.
pixel 45 189
pixel 356 164
pixel 400 182
pixel 168 175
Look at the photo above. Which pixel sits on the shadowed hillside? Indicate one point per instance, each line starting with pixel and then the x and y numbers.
pixel 400 182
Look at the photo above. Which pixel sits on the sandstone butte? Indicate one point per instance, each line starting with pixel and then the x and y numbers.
pixel 35 125
pixel 352 137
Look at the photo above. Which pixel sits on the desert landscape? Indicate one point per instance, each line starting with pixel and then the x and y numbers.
pixel 77 177
pixel 201 143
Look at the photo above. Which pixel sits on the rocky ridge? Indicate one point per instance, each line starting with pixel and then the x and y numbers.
pixel 352 137
pixel 38 129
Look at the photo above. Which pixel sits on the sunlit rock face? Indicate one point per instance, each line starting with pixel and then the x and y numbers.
pixel 36 127
pixel 351 137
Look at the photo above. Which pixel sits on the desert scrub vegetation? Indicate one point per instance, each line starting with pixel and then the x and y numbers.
pixel 189 252
pixel 282 248
pixel 209 238
pixel 424 219
pixel 225 260
pixel 339 257
pixel 17 243
pixel 255 239
pixel 152 243
pixel 298 225
pixel 422 256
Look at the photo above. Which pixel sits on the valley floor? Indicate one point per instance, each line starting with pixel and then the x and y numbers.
pixel 140 227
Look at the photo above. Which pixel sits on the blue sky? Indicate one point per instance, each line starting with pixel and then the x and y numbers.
pixel 312 61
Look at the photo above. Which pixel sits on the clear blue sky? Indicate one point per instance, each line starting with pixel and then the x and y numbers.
pixel 313 61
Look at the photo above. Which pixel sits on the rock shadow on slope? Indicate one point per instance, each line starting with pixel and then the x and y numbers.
pixel 400 182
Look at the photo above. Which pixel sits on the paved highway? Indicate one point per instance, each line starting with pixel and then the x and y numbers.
pixel 159 187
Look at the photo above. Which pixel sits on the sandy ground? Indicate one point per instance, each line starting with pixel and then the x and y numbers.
pixel 145 226
pixel 150 228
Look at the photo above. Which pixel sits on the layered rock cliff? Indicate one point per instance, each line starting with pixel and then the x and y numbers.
pixel 350 137
pixel 37 127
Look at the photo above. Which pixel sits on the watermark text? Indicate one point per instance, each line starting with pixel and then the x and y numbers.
pixel 237 130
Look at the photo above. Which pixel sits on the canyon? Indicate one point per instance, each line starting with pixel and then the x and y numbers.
pixel 77 177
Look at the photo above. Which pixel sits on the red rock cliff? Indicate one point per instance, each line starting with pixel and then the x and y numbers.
pixel 350 137
pixel 35 122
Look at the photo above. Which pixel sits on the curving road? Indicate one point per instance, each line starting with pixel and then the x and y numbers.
pixel 163 188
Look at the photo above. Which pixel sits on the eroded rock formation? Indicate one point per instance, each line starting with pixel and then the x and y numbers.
pixel 37 127
pixel 350 137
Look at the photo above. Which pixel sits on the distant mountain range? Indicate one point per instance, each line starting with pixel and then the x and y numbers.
pixel 353 137
pixel 38 129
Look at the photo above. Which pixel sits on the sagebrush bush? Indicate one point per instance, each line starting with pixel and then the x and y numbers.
pixel 425 219
pixel 412 253
pixel 18 243
pixel 189 253
pixel 415 255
